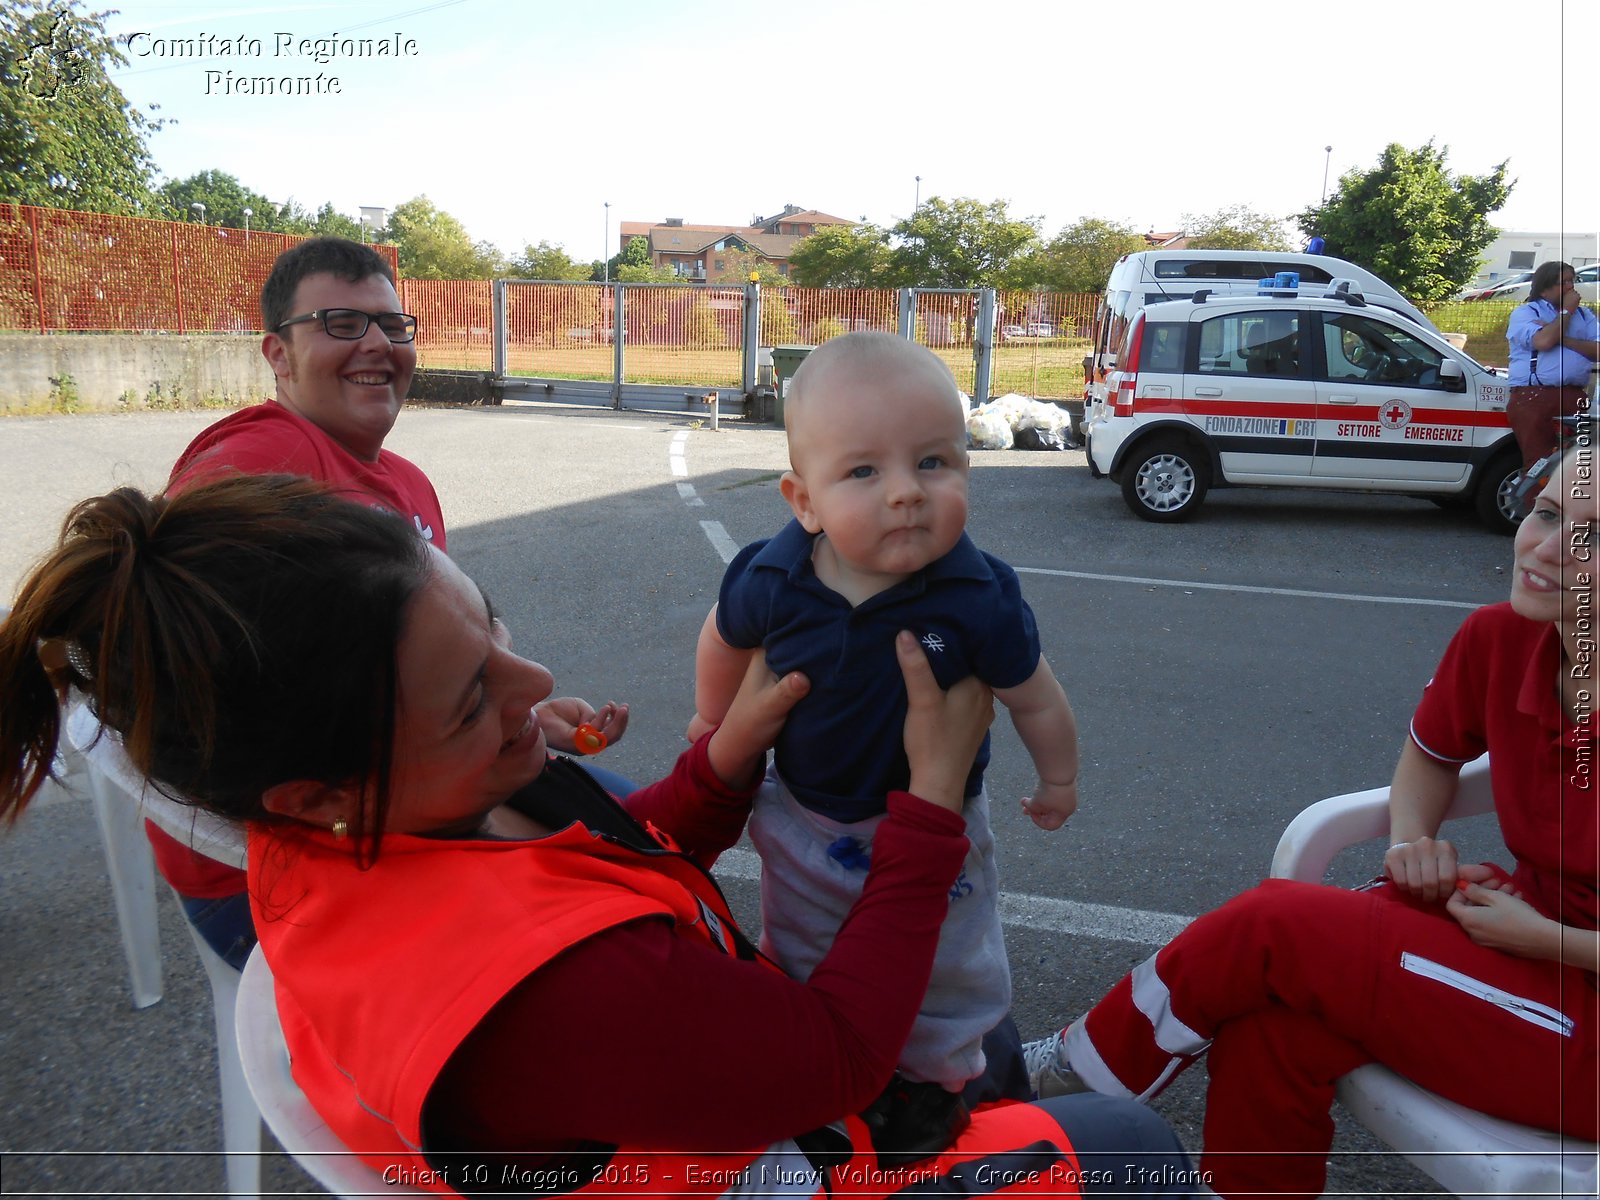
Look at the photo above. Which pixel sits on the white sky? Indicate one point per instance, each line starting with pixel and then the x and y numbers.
pixel 523 119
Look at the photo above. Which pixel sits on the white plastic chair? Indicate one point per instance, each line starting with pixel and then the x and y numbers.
pixel 284 1107
pixel 122 801
pixel 1465 1151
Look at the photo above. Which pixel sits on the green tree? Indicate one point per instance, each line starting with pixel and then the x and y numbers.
pixel 225 200
pixel 636 255
pixel 959 243
pixel 68 136
pixel 434 245
pixel 1411 221
pixel 841 256
pixel 1236 227
pixel 1078 259
pixel 546 261
pixel 649 273
pixel 330 222
pixel 327 221
pixel 739 265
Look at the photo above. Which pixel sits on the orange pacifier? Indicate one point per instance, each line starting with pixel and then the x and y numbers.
pixel 586 739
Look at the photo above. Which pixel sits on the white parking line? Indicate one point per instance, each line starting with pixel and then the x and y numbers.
pixel 724 545
pixel 1043 913
pixel 1189 584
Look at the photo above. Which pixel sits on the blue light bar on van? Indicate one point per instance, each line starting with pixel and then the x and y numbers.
pixel 1284 283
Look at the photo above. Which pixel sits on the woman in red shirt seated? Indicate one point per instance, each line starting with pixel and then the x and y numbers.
pixel 492 976
pixel 1475 983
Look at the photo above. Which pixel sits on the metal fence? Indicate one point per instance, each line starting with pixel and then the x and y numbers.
pixel 63 271
pixel 455 322
pixel 673 335
pixel 1483 321
pixel 677 336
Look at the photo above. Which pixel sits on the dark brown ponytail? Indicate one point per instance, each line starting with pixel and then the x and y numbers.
pixel 238 635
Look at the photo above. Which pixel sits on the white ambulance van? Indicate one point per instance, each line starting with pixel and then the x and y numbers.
pixel 1152 276
pixel 1299 390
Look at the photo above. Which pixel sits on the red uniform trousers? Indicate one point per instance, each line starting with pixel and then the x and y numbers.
pixel 1532 412
pixel 1293 985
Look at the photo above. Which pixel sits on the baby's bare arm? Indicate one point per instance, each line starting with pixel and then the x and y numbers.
pixel 719 669
pixel 1043 719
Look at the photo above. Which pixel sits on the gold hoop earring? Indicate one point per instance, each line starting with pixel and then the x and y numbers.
pixel 340 828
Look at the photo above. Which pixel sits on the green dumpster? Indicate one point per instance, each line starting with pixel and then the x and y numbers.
pixel 786 361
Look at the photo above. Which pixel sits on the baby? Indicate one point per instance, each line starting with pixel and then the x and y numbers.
pixel 878 486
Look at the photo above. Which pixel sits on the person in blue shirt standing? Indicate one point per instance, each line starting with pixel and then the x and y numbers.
pixel 1554 343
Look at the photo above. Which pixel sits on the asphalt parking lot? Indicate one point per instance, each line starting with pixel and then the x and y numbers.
pixel 1225 674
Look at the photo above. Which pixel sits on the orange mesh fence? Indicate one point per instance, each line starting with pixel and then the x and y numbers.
pixel 455 322
pixel 559 330
pixel 692 336
pixel 810 316
pixel 73 271
pixel 675 334
pixel 1038 351
pixel 1041 342
pixel 64 271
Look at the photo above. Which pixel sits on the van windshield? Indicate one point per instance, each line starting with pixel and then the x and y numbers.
pixel 1211 268
pixel 1115 327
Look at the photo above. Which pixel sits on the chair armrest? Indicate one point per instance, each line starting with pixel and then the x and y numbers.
pixel 1320 831
pixel 1327 827
pixel 1474 795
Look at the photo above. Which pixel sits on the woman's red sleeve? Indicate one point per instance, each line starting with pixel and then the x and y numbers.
pixel 702 814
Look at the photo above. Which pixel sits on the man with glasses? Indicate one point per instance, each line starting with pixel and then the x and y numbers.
pixel 343 354
pixel 1553 343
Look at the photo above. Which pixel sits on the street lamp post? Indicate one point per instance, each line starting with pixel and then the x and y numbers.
pixel 605 247
pixel 247 215
pixel 1325 164
pixel 917 202
pixel 199 211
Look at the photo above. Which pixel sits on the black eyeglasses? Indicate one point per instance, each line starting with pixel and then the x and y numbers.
pixel 351 324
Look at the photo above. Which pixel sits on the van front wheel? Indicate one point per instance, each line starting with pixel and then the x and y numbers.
pixel 1496 499
pixel 1165 480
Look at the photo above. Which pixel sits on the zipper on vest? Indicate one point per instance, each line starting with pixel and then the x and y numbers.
pixel 1531 1011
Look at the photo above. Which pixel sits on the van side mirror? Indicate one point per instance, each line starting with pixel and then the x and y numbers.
pixel 1451 377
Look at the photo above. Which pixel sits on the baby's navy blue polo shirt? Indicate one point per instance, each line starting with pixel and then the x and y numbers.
pixel 841 751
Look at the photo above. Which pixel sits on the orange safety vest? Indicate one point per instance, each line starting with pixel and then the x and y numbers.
pixel 377 987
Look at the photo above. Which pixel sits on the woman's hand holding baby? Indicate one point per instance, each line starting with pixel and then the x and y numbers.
pixel 943 728
pixel 738 749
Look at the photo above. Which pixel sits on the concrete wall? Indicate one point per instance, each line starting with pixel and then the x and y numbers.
pixel 116 371
pixel 102 372
pixel 454 387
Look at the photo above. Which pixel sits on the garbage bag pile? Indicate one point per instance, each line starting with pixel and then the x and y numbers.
pixel 1014 421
